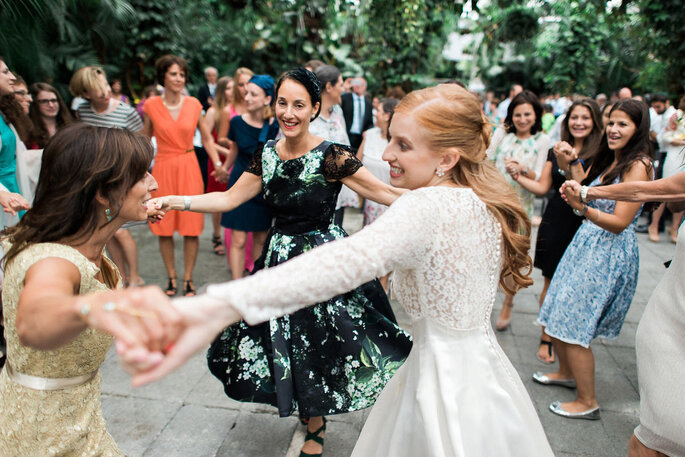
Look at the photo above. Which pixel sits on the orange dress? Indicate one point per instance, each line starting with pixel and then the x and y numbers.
pixel 176 169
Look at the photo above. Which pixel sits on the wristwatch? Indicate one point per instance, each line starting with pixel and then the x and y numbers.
pixel 217 163
pixel 583 194
pixel 580 212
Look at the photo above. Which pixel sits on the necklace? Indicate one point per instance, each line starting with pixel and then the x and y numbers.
pixel 175 106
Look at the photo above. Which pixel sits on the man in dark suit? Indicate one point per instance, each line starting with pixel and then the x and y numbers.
pixel 206 92
pixel 357 111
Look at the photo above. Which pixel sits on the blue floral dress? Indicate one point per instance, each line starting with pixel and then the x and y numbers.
pixel 333 357
pixel 594 283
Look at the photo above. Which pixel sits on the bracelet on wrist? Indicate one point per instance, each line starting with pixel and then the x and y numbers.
pixel 186 203
pixel 576 161
pixel 583 193
pixel 581 212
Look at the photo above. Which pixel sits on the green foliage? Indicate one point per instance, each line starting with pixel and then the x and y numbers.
pixel 574 61
pixel 664 25
pixel 518 23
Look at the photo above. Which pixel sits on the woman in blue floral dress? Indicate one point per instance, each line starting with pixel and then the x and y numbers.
pixel 334 357
pixel 595 281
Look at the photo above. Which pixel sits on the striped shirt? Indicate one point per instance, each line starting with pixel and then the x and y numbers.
pixel 123 117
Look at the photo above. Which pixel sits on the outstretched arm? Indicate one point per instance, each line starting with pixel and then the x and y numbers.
pixel 368 186
pixel 247 187
pixel 671 189
pixel 400 239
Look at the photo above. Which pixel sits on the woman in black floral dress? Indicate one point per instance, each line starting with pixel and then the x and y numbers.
pixel 336 356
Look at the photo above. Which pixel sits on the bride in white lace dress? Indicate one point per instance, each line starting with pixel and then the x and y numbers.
pixel 450 242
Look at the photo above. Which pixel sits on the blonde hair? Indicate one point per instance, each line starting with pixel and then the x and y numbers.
pixel 88 79
pixel 452 118
pixel 220 99
pixel 237 96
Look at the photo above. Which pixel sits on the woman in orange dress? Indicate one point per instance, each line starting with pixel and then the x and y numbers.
pixel 172 119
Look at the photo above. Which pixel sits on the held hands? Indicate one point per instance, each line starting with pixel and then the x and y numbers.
pixel 202 318
pixel 220 174
pixel 13 203
pixel 157 208
pixel 142 320
pixel 570 192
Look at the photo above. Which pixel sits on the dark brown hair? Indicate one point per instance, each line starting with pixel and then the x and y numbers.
pixel 14 114
pixel 591 142
pixel 165 62
pixel 521 99
pixel 638 147
pixel 79 163
pixel 40 134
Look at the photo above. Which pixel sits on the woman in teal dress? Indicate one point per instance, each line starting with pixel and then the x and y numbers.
pixel 336 356
pixel 8 141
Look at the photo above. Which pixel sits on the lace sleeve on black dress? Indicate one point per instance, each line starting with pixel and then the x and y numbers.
pixel 340 162
pixel 255 166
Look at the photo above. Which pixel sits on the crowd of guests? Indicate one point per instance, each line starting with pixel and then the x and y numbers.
pixel 227 152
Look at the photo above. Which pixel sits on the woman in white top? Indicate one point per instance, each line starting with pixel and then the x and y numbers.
pixel 520 148
pixel 330 125
pixel 452 242
pixel 371 154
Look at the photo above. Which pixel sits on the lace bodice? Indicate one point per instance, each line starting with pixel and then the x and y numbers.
pixel 442 243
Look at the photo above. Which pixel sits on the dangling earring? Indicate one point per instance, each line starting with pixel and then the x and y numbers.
pixel 439 172
pixel 108 215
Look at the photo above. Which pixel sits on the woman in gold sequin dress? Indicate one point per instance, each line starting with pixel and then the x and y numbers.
pixel 58 298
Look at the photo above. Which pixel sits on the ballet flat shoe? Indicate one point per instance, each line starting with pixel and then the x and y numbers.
pixel 590 414
pixel 540 378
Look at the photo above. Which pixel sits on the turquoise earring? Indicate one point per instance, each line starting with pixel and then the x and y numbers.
pixel 108 215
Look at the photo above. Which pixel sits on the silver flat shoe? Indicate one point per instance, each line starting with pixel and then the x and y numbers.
pixel 590 414
pixel 540 378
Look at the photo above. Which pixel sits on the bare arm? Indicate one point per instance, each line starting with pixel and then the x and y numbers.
pixel 671 189
pixel 624 212
pixel 540 187
pixel 231 156
pixel 368 186
pixel 50 313
pixel 224 124
pixel 147 126
pixel 247 186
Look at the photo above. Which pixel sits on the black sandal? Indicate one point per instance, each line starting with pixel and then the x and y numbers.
pixel 549 351
pixel 171 287
pixel 218 246
pixel 188 288
pixel 314 436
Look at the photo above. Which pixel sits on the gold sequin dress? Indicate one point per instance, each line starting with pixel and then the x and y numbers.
pixel 41 423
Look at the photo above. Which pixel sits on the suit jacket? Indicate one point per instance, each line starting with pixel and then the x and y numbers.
pixel 203 94
pixel 348 112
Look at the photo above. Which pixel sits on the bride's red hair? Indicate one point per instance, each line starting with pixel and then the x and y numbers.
pixel 452 118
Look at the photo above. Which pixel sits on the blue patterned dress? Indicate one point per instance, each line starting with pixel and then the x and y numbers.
pixel 594 284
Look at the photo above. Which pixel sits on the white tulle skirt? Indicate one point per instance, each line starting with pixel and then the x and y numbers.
pixel 457 395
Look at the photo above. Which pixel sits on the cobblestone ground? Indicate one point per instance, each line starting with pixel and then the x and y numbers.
pixel 187 414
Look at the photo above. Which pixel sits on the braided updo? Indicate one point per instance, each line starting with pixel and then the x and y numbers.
pixel 308 80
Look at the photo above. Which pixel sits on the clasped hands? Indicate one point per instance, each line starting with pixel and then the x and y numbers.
pixel 565 154
pixel 155 335
pixel 570 192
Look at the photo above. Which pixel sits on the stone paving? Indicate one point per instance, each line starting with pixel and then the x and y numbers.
pixel 188 415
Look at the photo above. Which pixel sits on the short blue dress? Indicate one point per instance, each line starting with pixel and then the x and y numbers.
pixel 253 215
pixel 594 283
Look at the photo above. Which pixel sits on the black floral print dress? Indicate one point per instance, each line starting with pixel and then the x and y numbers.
pixel 330 358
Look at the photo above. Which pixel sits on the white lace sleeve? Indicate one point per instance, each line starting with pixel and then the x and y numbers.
pixel 399 239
